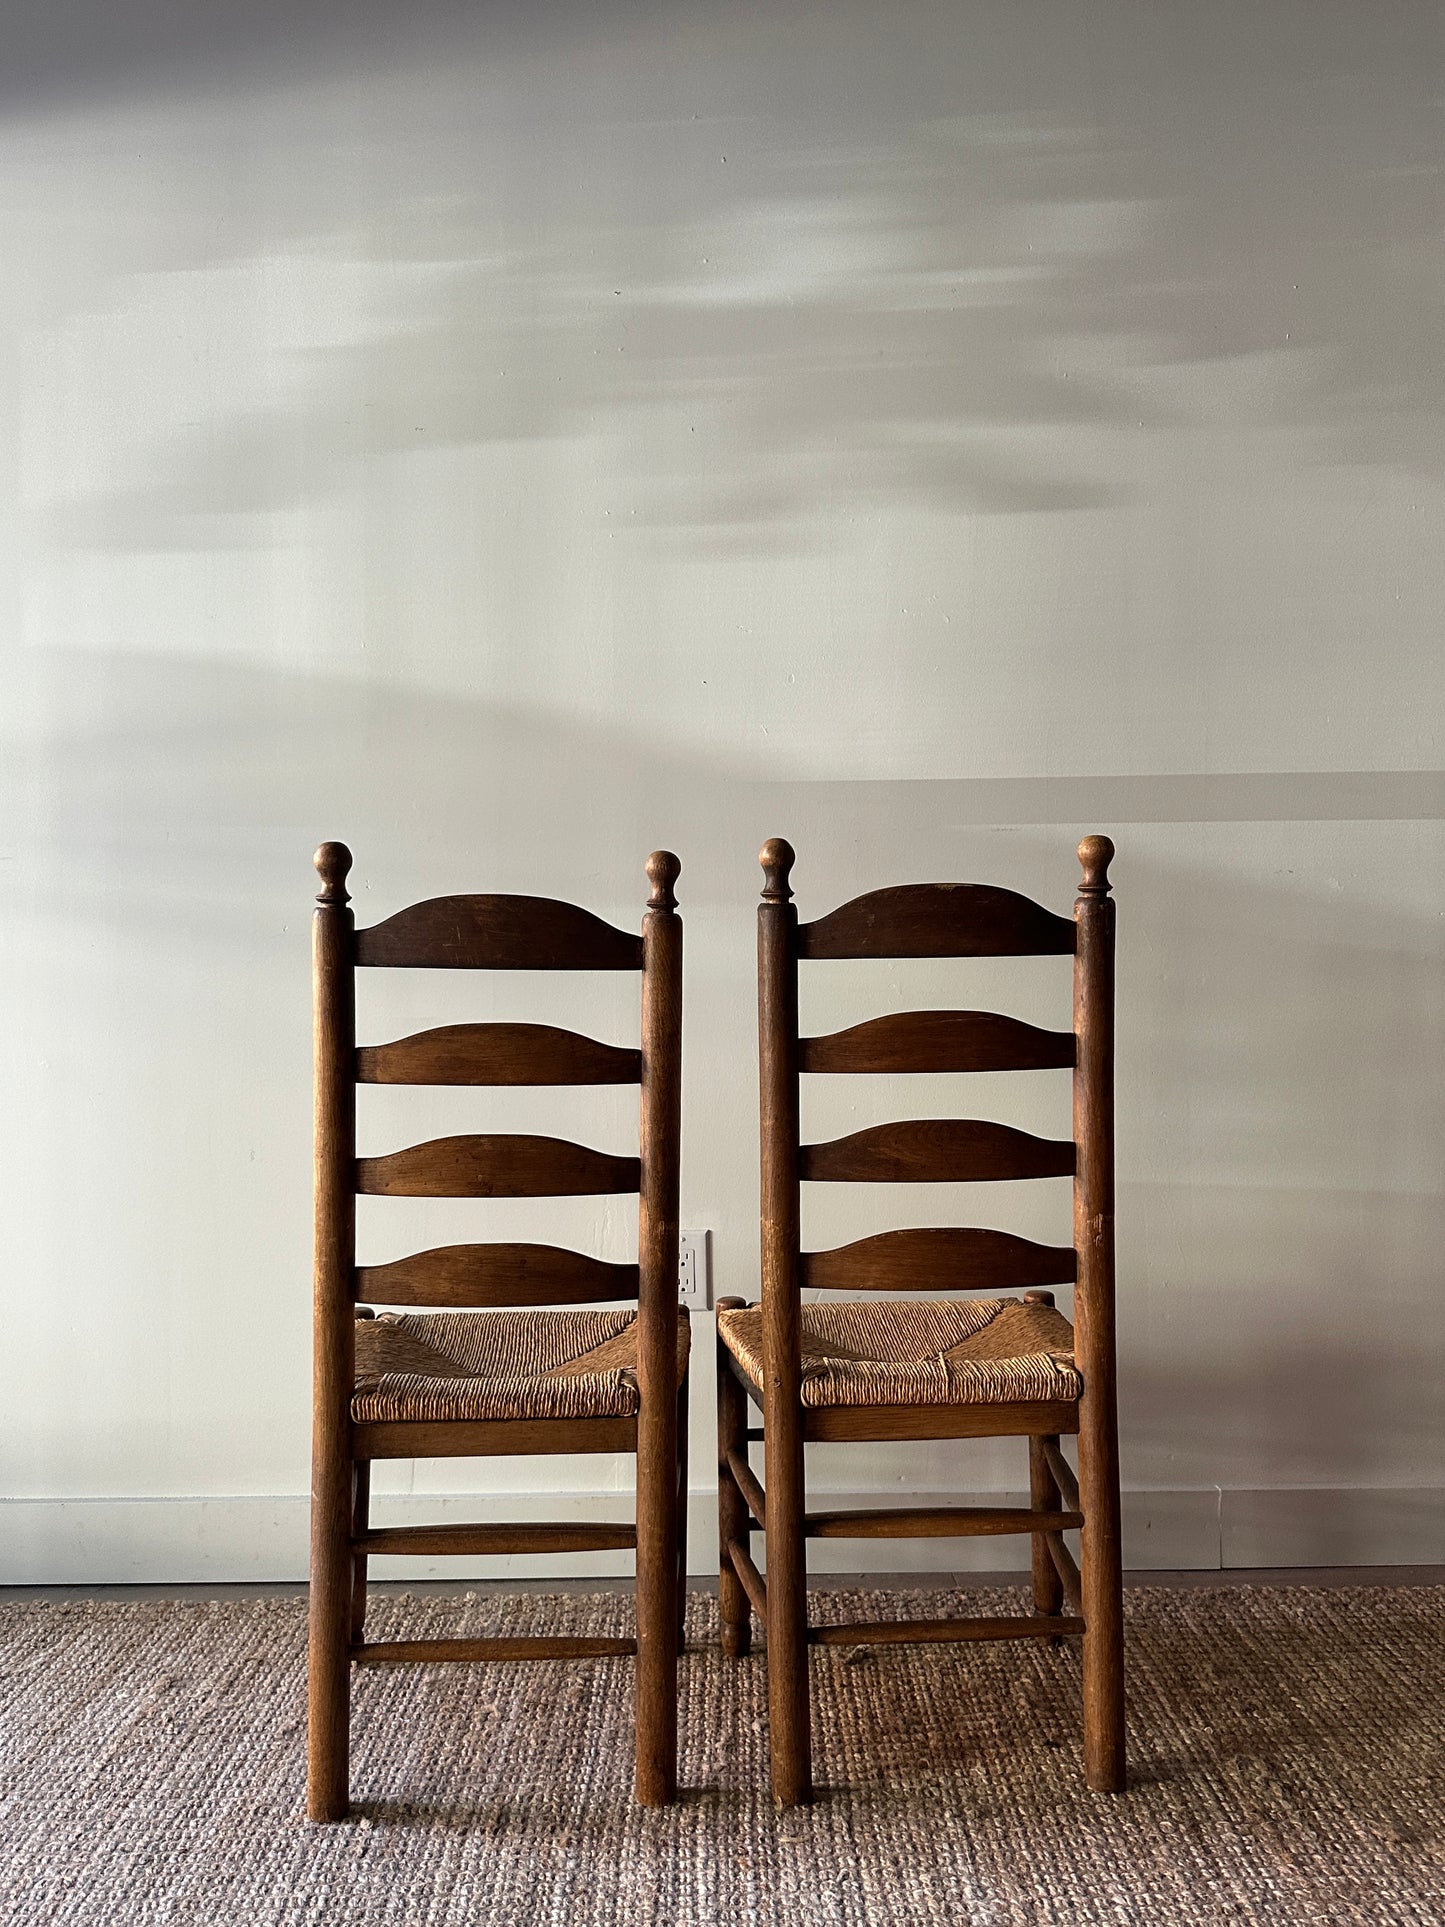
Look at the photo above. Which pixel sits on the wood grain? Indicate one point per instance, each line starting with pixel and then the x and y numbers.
pixel 497 1054
pixel 496 1166
pixel 936 1522
pixel 878 1423
pixel 926 1632
pixel 936 1151
pixel 497 933
pixel 938 1040
pixel 442 1541
pixel 430 1652
pixel 941 1258
pixel 938 920
pixel 490 1438
pixel 496 1274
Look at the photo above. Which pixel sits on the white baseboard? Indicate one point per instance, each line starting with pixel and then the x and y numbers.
pixel 224 1540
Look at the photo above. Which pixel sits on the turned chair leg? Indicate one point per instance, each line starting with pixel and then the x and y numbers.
pixel 329 1672
pixel 656 1776
pixel 1102 1585
pixel 734 1612
pixel 789 1721
pixel 1044 1497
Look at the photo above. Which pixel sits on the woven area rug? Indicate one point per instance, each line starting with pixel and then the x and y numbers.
pixel 1286 1750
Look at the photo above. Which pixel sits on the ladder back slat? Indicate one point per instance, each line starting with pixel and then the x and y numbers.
pixel 936 1151
pixel 962 1258
pixel 495 1274
pixel 939 1040
pixel 497 1054
pixel 497 933
pixel 938 920
pixel 500 1166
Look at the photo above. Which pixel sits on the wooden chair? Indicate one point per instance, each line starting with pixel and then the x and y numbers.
pixel 923 1370
pixel 494 1381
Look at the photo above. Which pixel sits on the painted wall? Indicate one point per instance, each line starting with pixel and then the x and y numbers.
pixel 512 438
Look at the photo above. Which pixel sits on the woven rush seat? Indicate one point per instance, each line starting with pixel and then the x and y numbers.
pixel 500 1365
pixel 975 1351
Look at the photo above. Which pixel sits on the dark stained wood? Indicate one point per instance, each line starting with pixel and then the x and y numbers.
pixel 1044 1498
pixel 332 1490
pixel 747 1483
pixel 497 1054
pixel 657 1448
pixel 1101 1546
pixel 938 1040
pixel 496 1274
pixel 733 1518
pixel 360 1519
pixel 752 1581
pixel 491 1438
pixel 496 1166
pixel 497 933
pixel 410 1652
pixel 879 1423
pixel 950 1258
pixel 930 1632
pixel 937 920
pixel 936 1522
pixel 942 1150
pixel 428 1542
pixel 1068 1572
pixel 1063 1473
pixel 787 1589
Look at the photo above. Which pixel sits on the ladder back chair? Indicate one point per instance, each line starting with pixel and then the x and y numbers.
pixel 885 1369
pixel 459 1375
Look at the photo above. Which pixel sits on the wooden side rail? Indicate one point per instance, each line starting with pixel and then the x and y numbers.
pixel 927 1632
pixel 489 1438
pixel 496 1274
pixel 942 1150
pixel 938 1040
pixel 753 1582
pixel 497 933
pixel 500 1166
pixel 497 1054
pixel 444 1541
pixel 426 1652
pixel 747 1484
pixel 938 920
pixel 1068 1571
pixel 962 1258
pixel 935 1522
pixel 1063 1472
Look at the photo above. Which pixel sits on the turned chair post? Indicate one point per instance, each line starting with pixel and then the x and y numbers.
pixel 1101 1562
pixel 787 1590
pixel 332 1492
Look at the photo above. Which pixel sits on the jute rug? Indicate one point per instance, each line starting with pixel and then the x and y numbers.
pixel 1286 1753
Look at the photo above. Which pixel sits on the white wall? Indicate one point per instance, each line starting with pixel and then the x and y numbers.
pixel 513 438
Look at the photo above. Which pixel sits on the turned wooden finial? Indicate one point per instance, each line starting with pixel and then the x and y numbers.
pixel 1096 853
pixel 663 870
pixel 333 863
pixel 777 857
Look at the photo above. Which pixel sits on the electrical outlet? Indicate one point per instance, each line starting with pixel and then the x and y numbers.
pixel 694 1286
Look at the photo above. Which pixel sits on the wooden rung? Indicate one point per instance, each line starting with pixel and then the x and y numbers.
pixel 944 1150
pixel 941 1258
pixel 938 1040
pixel 500 1166
pixel 497 933
pixel 1068 1571
pixel 489 1438
pixel 909 1632
pixel 445 1540
pixel 938 920
pixel 497 1054
pixel 747 1484
pixel 753 1582
pixel 400 1652
pixel 496 1274
pixel 935 1522
pixel 1063 1472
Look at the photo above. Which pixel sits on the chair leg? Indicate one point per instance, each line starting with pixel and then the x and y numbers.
pixel 682 1429
pixel 360 1519
pixel 790 1735
pixel 734 1612
pixel 1102 1586
pixel 329 1670
pixel 1044 1497
pixel 656 1779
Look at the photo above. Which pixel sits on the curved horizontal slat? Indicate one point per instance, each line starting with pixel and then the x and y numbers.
pixel 936 1151
pixel 939 1040
pixel 497 933
pixel 496 1167
pixel 949 1259
pixel 495 1274
pixel 497 1054
pixel 938 920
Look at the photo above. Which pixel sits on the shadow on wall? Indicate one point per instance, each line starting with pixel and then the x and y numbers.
pixel 986 258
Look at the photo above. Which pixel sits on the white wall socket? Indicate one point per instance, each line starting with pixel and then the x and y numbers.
pixel 694 1284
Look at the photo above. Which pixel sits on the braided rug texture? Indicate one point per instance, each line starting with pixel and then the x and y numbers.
pixel 1287 1766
